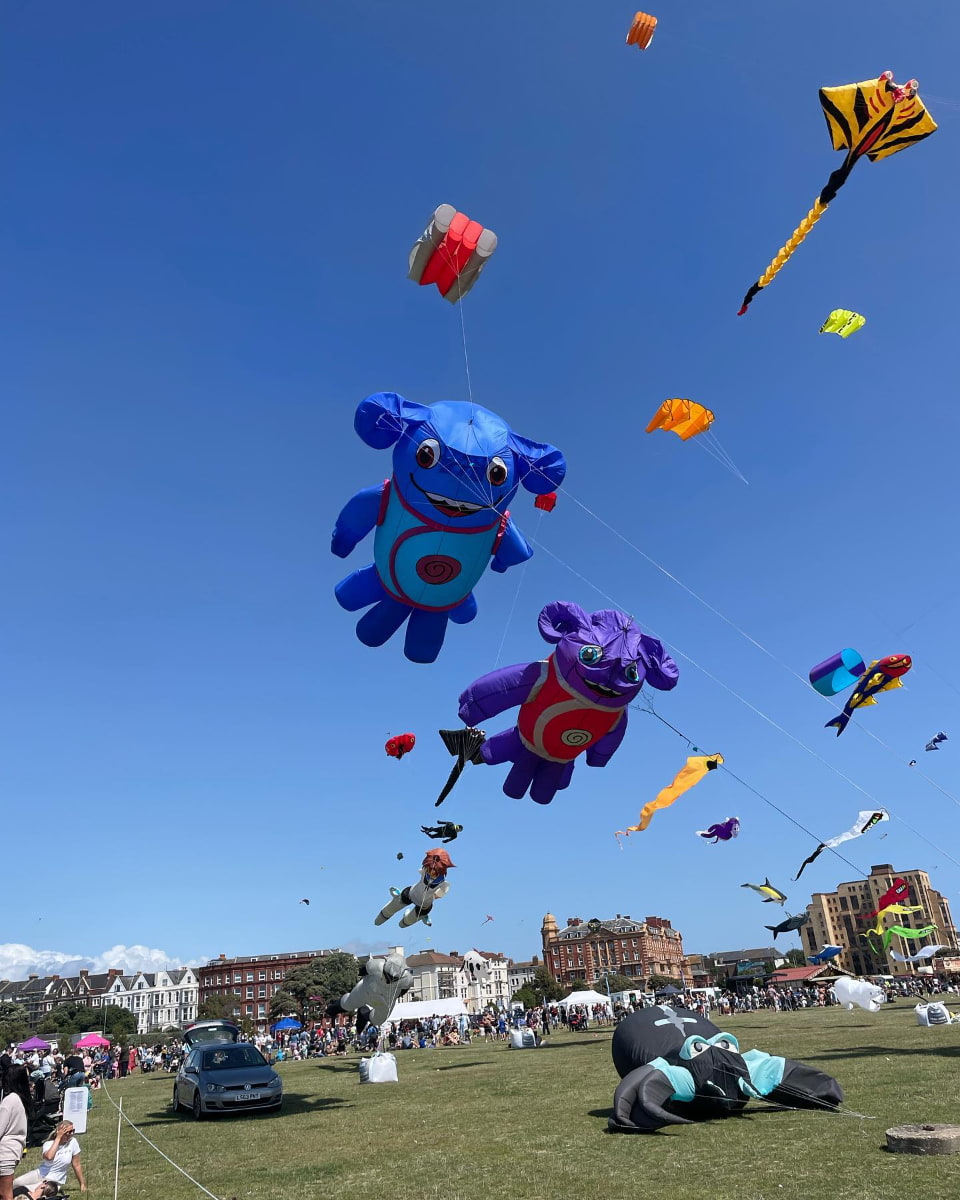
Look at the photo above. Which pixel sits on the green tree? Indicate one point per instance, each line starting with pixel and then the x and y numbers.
pixel 542 985
pixel 656 982
pixel 283 1004
pixel 66 1020
pixel 616 983
pixel 219 1008
pixel 795 958
pixel 319 981
pixel 117 1023
pixel 527 996
pixel 14 1025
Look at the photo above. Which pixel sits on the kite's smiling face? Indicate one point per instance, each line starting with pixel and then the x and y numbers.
pixel 603 656
pixel 454 473
pixel 604 661
pixel 895 665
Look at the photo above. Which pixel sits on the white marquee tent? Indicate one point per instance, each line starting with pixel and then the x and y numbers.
pixel 587 999
pixel 414 1010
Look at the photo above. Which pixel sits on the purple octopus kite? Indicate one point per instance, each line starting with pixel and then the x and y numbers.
pixel 574 701
pixel 723 831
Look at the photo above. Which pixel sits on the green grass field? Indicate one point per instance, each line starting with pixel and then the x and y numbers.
pixel 475 1121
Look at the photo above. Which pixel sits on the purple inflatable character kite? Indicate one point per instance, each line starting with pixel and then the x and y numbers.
pixel 440 520
pixel 573 702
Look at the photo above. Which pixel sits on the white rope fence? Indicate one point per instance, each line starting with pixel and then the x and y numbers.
pixel 121 1117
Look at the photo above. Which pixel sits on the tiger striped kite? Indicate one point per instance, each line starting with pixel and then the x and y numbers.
pixel 875 118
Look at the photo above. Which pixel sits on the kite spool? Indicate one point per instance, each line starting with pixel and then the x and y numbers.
pixel 924 1139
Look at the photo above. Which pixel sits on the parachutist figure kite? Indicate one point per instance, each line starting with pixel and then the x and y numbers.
pixel 875 118
pixel 445 832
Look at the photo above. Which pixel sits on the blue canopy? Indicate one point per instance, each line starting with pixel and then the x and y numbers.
pixel 287 1023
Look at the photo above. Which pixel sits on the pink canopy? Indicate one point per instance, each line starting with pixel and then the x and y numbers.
pixel 92 1040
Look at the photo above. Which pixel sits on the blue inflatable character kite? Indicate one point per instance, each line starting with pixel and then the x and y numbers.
pixel 439 520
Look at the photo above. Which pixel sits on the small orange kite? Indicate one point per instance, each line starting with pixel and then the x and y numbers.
pixel 684 417
pixel 642 30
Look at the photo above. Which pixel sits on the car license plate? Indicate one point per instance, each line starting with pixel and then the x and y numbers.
pixel 248 1095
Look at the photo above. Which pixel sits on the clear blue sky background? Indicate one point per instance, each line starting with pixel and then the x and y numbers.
pixel 207 212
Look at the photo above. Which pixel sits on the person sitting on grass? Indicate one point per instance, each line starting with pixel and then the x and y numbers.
pixel 59 1153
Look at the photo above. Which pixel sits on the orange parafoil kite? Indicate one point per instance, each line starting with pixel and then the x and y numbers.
pixel 684 417
pixel 642 30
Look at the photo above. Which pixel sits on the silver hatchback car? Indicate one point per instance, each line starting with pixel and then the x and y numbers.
pixel 226 1077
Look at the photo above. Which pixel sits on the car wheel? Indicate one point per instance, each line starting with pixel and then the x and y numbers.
pixel 197 1106
pixel 176 1099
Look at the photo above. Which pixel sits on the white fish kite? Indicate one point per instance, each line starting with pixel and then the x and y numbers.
pixel 865 820
pixel 926 952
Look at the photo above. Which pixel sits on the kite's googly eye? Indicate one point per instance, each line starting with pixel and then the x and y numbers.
pixel 428 453
pixel 590 655
pixel 698 1047
pixel 632 673
pixel 724 1044
pixel 497 472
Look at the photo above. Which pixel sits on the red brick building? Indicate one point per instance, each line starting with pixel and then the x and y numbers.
pixel 254 978
pixel 584 951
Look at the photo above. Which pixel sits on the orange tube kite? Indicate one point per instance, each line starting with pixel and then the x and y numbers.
pixel 696 767
pixel 683 417
pixel 642 30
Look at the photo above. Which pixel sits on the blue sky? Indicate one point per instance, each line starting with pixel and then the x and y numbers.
pixel 208 209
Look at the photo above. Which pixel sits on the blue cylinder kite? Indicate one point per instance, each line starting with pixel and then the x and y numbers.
pixel 837 673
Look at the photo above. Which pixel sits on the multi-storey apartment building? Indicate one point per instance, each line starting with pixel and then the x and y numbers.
pixel 159 1000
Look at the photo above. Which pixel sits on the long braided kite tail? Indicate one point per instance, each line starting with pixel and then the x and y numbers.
pixel 785 251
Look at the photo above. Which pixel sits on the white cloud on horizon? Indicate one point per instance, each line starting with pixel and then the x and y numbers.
pixel 18 961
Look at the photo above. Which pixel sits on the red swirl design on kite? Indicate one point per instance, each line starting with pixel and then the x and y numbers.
pixel 437 568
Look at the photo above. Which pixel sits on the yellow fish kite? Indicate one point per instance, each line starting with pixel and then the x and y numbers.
pixel 770 894
pixel 697 766
pixel 875 118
